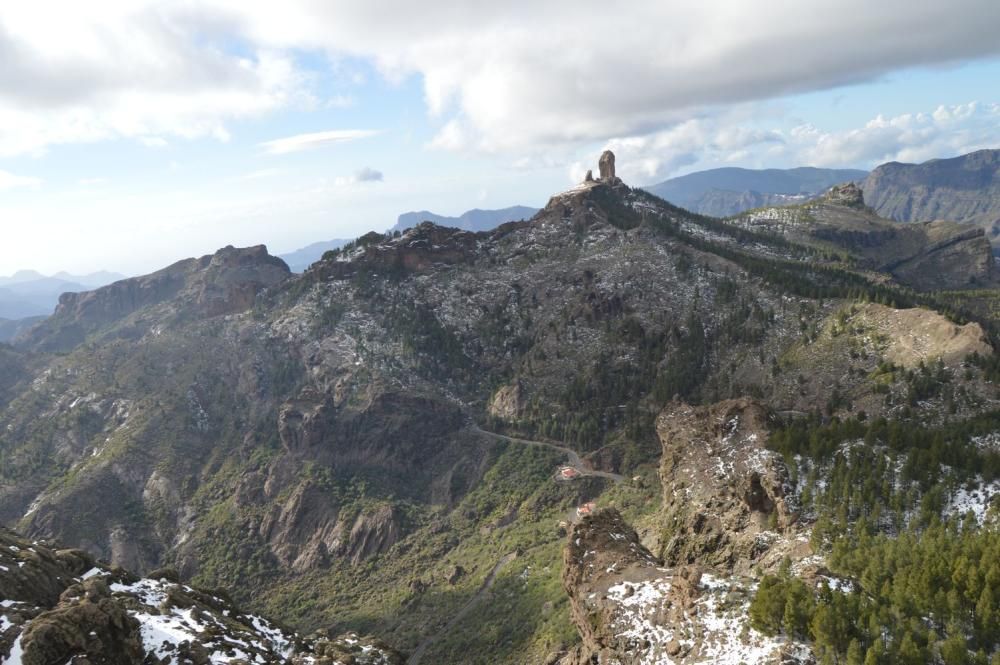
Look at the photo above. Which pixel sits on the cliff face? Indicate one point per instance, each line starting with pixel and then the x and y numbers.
pixel 961 189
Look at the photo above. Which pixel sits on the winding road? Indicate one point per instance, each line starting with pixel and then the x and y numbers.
pixel 573 458
pixel 574 461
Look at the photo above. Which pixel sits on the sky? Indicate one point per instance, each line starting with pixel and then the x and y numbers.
pixel 134 133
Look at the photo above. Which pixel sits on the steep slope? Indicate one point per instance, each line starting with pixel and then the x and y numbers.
pixel 321 444
pixel 60 605
pixel 729 191
pixel 11 329
pixel 932 255
pixel 961 189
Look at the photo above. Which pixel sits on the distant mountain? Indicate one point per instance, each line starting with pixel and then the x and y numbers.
pixel 301 259
pixel 28 293
pixel 730 191
pixel 471 220
pixel 961 189
pixel 92 280
pixel 11 329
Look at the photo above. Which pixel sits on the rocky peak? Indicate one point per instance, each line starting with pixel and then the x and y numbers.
pixel 607 166
pixel 226 282
pixel 848 194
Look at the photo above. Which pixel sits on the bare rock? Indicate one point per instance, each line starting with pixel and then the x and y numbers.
pixel 374 532
pixel 630 610
pixel 848 194
pixel 727 498
pixel 607 166
pixel 508 402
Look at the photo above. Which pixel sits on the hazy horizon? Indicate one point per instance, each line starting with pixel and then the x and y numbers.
pixel 136 135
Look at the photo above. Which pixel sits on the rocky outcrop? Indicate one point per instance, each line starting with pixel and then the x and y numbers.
pixel 600 548
pixel 374 531
pixel 629 610
pixel 607 166
pixel 727 500
pixel 848 194
pixel 508 402
pixel 304 531
pixel 308 530
pixel 62 606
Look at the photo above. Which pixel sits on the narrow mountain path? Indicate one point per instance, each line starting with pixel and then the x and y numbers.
pixel 483 590
pixel 572 457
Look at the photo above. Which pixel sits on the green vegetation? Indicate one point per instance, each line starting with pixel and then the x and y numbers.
pixel 923 596
pixel 923 587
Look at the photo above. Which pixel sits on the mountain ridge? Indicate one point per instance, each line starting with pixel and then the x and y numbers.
pixel 727 191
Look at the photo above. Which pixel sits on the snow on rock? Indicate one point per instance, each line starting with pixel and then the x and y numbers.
pixel 706 623
pixel 976 497
pixel 47 594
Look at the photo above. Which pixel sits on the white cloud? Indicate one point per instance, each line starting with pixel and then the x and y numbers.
pixel 911 137
pixel 735 138
pixel 497 76
pixel 301 142
pixel 10 181
pixel 153 141
pixel 518 74
pixel 142 70
pixel 368 174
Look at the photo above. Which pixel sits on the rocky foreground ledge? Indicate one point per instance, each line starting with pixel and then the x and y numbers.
pixel 61 606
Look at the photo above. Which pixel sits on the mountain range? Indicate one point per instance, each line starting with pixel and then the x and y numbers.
pixel 961 189
pixel 727 191
pixel 618 431
pixel 471 220
pixel 27 293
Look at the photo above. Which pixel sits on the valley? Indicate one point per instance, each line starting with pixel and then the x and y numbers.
pixel 613 432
